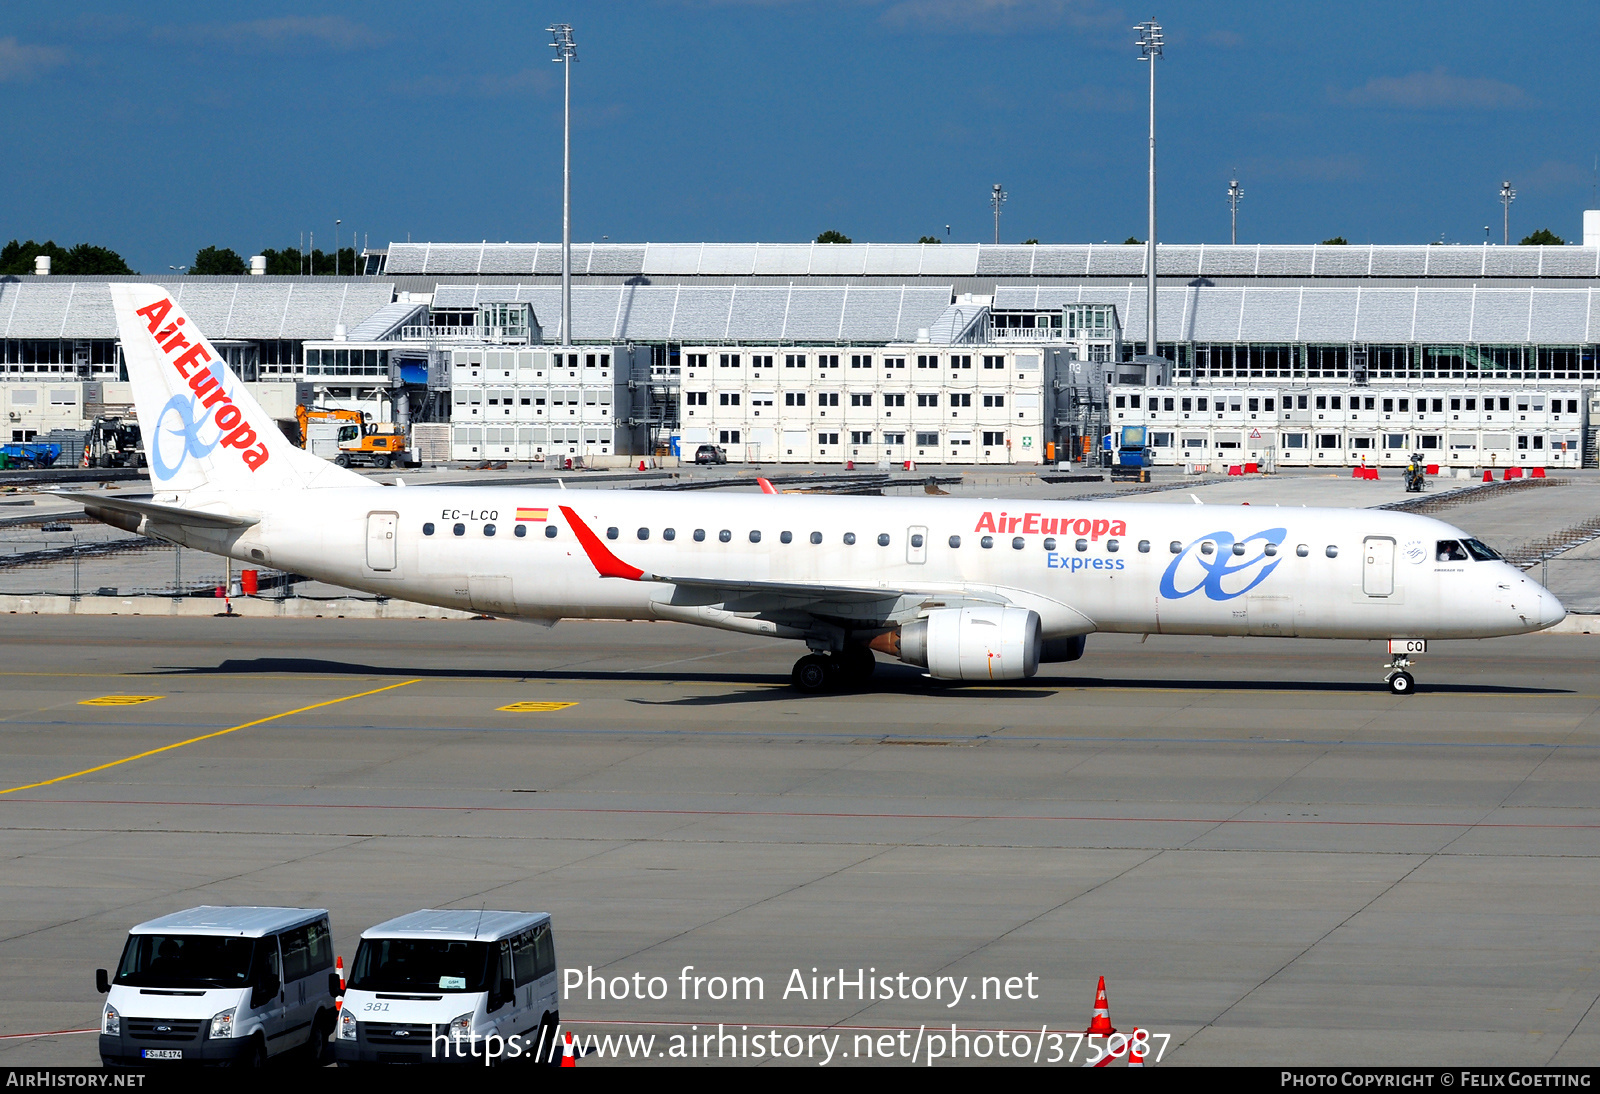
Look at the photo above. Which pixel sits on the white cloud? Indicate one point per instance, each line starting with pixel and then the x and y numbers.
pixel 999 16
pixel 326 31
pixel 20 62
pixel 1438 90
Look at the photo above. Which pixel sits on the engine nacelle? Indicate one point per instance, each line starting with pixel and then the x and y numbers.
pixel 987 643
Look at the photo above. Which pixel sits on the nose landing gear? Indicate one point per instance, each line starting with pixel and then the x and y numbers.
pixel 1399 680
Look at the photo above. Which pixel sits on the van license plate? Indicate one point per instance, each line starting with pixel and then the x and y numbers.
pixel 161 1053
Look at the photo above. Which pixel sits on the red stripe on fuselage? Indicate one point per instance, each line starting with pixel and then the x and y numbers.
pixel 606 563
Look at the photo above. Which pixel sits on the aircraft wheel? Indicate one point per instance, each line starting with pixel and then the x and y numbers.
pixel 856 664
pixel 813 674
pixel 1402 683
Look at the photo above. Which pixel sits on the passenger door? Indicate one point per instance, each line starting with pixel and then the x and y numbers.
pixel 1377 566
pixel 382 547
pixel 273 1009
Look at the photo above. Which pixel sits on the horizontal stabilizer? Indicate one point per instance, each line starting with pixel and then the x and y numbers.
pixel 142 506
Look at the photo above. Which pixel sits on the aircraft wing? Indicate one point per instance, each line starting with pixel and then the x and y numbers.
pixel 756 595
pixel 141 505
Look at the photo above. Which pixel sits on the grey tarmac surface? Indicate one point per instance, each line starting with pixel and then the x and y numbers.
pixel 1266 855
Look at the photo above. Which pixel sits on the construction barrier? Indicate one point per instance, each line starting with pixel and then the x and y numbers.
pixel 1537 473
pixel 1488 476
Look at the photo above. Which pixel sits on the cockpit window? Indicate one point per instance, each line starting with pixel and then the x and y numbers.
pixel 1480 550
pixel 1450 551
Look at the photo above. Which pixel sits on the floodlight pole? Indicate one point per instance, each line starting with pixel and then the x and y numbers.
pixel 566 52
pixel 1507 196
pixel 1234 194
pixel 1150 42
pixel 997 198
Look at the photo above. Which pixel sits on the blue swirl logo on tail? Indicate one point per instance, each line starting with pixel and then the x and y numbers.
pixel 177 419
pixel 1216 575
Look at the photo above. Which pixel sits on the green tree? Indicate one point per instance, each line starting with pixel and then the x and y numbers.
pixel 1544 237
pixel 1028 242
pixel 1132 240
pixel 217 260
pixel 831 236
pixel 284 263
pixel 1336 241
pixel 921 239
pixel 17 259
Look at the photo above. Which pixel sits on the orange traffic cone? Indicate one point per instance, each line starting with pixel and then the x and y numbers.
pixel 338 967
pixel 1100 1025
pixel 567 1058
pixel 1488 476
pixel 1136 1049
pixel 641 465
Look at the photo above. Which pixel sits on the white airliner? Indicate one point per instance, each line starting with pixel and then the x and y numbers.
pixel 967 589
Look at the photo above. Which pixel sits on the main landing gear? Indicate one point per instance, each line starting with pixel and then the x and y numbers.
pixel 817 672
pixel 1399 680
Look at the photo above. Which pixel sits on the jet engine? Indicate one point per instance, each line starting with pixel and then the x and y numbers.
pixel 984 643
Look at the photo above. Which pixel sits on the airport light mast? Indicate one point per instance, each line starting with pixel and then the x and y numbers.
pixel 1150 43
pixel 566 52
pixel 997 198
pixel 1507 196
pixel 1234 194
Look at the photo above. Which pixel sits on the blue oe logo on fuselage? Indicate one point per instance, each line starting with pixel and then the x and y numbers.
pixel 1223 575
pixel 176 436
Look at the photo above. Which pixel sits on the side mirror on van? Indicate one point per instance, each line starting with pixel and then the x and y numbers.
pixel 269 986
pixel 102 982
pixel 333 985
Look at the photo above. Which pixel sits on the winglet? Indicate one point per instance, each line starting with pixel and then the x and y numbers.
pixel 767 487
pixel 606 563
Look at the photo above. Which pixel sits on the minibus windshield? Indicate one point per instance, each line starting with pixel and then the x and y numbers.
pixel 421 965
pixel 185 961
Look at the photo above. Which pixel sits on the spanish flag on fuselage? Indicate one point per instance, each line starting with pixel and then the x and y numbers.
pixel 532 514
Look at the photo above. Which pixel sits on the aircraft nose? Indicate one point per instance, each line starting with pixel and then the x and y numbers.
pixel 1551 610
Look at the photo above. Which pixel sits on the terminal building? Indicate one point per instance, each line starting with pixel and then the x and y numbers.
pixel 953 353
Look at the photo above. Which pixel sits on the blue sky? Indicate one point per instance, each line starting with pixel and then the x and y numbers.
pixel 163 127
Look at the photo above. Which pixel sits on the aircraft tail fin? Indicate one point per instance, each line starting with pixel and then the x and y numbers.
pixel 199 424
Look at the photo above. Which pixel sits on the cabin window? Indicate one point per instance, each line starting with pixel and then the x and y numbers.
pixel 849 539
pixel 1113 546
pixel 725 536
pixel 1238 548
pixel 785 537
pixel 427 529
pixel 488 529
pixel 611 533
pixel 460 529
pixel 1208 547
pixel 1332 551
pixel 916 541
pixel 669 534
pixel 1082 545
pixel 699 535
pixel 1144 546
pixel 1175 547
pixel 521 532
pixel 1302 550
pixel 955 541
pixel 1270 549
pixel 755 537
pixel 816 537
pixel 1018 543
pixel 1050 544
pixel 550 531
pixel 883 539
pixel 644 533
pixel 986 542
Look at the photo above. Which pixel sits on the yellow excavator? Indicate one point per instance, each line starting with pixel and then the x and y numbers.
pixel 350 438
